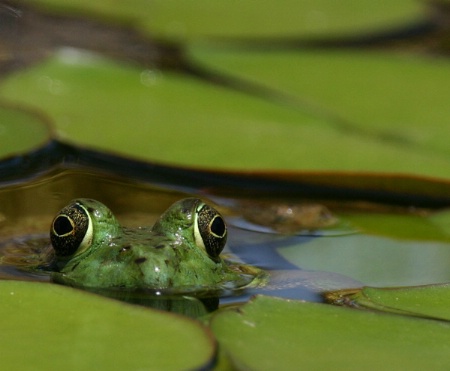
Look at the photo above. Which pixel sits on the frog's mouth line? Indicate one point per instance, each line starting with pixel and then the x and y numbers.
pixel 224 290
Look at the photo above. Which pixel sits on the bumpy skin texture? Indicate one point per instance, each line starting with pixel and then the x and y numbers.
pixel 167 256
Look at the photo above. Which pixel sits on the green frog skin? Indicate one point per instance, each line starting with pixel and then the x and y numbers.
pixel 180 252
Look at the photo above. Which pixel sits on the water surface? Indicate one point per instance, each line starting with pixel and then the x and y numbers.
pixel 302 263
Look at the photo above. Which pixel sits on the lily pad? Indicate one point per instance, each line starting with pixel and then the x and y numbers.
pixel 170 118
pixel 432 301
pixel 47 326
pixel 441 220
pixel 181 20
pixel 396 99
pixel 435 227
pixel 270 333
pixel 21 131
pixel 372 260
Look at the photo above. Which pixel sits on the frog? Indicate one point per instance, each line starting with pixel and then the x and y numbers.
pixel 181 252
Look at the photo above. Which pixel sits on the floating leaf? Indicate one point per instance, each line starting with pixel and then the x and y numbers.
pixel 432 301
pixel 394 99
pixel 177 119
pixel 46 326
pixel 270 333
pixel 180 20
pixel 21 131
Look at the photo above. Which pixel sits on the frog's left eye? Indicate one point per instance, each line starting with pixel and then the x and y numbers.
pixel 71 230
pixel 210 230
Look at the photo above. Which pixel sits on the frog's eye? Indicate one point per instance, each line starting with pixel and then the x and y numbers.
pixel 71 231
pixel 210 230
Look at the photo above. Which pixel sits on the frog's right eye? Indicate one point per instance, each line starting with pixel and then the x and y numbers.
pixel 71 231
pixel 210 230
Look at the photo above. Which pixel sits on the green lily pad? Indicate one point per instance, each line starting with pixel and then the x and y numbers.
pixel 181 20
pixel 441 220
pixel 431 301
pixel 270 333
pixel 398 99
pixel 46 326
pixel 21 131
pixel 374 261
pixel 435 227
pixel 163 116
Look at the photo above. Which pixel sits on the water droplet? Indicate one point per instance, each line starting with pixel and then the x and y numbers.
pixel 150 77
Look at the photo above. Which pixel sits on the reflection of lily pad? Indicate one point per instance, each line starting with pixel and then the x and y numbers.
pixel 53 327
pixel 431 301
pixel 269 18
pixel 21 131
pixel 270 333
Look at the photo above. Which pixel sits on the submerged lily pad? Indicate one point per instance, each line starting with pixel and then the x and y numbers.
pixel 374 261
pixel 435 227
pixel 193 19
pixel 432 301
pixel 47 326
pixel 21 131
pixel 270 333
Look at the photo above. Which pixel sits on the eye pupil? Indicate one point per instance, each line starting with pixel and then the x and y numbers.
pixel 218 226
pixel 62 225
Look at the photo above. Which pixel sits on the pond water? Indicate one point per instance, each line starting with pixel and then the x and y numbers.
pixel 306 248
